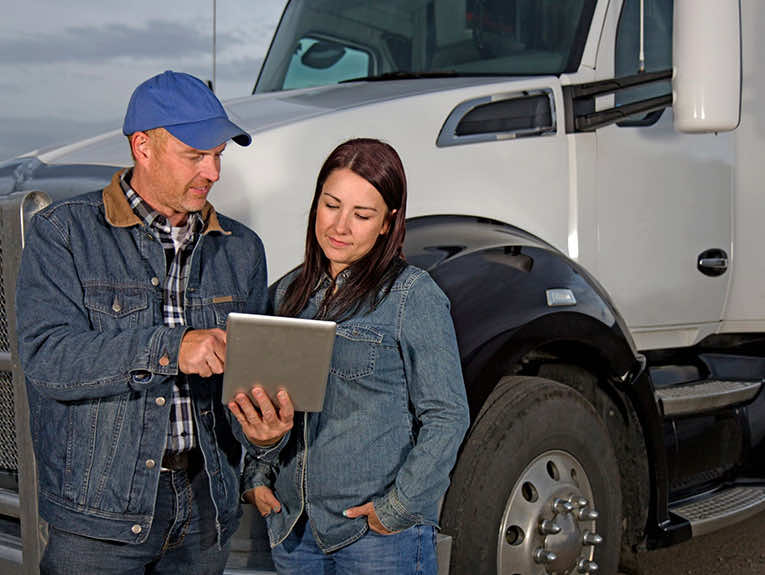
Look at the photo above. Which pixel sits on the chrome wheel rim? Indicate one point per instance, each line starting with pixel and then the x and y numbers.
pixel 549 523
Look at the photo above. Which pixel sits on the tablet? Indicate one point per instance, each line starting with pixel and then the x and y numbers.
pixel 278 352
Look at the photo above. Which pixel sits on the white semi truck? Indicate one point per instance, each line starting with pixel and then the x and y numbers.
pixel 585 184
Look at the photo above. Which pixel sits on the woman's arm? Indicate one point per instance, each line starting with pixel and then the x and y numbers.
pixel 257 481
pixel 437 392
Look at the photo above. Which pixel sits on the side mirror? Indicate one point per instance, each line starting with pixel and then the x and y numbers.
pixel 322 55
pixel 706 61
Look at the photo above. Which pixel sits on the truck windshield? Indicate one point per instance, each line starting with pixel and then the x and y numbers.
pixel 321 42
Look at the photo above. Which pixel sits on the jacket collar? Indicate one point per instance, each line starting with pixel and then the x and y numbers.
pixel 326 280
pixel 121 215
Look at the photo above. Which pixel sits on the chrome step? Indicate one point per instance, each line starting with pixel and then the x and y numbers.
pixel 705 395
pixel 722 509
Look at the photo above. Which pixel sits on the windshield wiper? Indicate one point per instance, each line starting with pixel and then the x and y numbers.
pixel 402 76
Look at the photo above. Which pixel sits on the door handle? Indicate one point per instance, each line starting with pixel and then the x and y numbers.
pixel 712 262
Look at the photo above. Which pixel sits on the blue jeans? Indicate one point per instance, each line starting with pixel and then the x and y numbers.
pixel 182 538
pixel 408 552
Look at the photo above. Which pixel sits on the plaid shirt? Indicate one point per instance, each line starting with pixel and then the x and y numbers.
pixel 178 243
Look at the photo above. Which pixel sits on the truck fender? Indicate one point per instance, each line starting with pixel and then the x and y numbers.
pixel 497 278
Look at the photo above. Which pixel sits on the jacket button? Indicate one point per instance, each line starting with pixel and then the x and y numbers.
pixel 164 361
pixel 160 401
pixel 150 463
pixel 136 529
pixel 116 307
pixel 155 281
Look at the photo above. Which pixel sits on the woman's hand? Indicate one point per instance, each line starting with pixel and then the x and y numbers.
pixel 260 421
pixel 264 499
pixel 368 509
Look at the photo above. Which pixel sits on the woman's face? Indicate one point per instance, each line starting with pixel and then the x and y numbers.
pixel 349 218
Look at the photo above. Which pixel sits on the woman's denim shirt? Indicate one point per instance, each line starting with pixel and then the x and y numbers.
pixel 100 363
pixel 394 416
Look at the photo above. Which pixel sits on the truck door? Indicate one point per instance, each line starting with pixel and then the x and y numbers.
pixel 663 198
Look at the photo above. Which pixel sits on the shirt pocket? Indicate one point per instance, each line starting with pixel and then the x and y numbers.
pixel 114 307
pixel 355 352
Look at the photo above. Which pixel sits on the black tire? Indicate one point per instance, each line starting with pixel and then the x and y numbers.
pixel 531 436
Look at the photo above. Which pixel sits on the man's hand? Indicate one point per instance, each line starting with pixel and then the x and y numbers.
pixel 374 522
pixel 264 499
pixel 260 421
pixel 203 351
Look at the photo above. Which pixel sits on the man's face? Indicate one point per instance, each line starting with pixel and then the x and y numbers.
pixel 180 177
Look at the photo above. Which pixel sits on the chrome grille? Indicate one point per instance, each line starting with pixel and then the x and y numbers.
pixel 8 451
pixel 4 342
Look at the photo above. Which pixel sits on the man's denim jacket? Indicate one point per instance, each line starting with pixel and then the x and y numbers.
pixel 100 363
pixel 394 415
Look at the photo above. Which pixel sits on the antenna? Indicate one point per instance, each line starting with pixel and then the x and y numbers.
pixel 213 46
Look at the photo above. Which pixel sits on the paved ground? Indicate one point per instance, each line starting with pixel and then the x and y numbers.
pixel 737 550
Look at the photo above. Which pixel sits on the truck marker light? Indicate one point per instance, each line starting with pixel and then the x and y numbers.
pixel 560 297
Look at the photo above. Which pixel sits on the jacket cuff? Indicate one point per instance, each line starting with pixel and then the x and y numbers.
pixel 255 474
pixel 164 348
pixel 258 479
pixel 159 359
pixel 393 514
pixel 268 454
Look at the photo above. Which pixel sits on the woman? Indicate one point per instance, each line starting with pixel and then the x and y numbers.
pixel 355 488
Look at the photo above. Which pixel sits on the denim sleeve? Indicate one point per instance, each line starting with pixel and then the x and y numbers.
pixel 62 357
pixel 257 302
pixel 256 473
pixel 267 454
pixel 437 393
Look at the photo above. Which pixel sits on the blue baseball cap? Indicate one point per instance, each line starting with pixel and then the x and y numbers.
pixel 184 106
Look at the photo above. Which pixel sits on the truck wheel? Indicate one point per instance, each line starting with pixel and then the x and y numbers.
pixel 536 487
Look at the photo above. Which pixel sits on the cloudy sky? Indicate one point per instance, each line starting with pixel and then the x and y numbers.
pixel 67 68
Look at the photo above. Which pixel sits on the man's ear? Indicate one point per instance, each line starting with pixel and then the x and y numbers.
pixel 141 146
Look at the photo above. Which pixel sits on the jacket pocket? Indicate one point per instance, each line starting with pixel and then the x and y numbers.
pixel 355 352
pixel 115 307
pixel 99 462
pixel 224 305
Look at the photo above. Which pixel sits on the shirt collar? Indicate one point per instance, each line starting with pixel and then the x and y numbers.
pixel 149 216
pixel 120 214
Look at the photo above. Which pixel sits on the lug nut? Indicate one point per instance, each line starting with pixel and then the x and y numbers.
pixel 547 527
pixel 587 514
pixel 578 501
pixel 591 538
pixel 562 506
pixel 543 556
pixel 585 566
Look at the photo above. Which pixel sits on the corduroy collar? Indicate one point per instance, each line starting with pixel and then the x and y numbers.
pixel 120 214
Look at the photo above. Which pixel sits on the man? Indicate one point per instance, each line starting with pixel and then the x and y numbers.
pixel 121 301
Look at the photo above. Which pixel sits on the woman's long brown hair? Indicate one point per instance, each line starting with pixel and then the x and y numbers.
pixel 372 275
